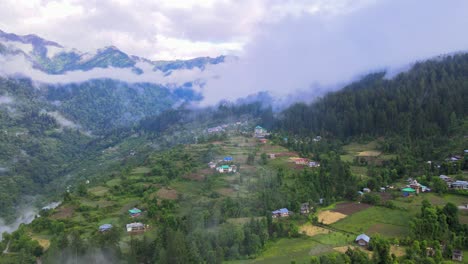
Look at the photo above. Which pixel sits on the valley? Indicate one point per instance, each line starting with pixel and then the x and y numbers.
pixel 138 172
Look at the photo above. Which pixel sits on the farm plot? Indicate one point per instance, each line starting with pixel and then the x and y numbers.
pixel 329 217
pixel 350 208
pixel 391 222
pixel 312 230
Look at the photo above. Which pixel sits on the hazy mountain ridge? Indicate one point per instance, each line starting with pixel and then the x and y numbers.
pixel 52 58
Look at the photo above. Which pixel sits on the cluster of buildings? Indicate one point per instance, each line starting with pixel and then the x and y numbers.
pixel 224 166
pixel 260 132
pixel 457 185
pixel 306 162
pixel 135 227
pixel 284 212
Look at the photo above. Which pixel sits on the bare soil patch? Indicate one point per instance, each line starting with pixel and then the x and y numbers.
pixel 63 213
pixel 44 243
pixel 167 193
pixel 350 208
pixel 329 217
pixel 285 154
pixel 312 230
pixel 369 153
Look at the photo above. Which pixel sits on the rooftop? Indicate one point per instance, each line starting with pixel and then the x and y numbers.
pixel 363 237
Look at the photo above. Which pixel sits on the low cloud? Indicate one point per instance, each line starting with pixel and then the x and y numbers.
pixel 4 99
pixel 310 51
pixel 20 66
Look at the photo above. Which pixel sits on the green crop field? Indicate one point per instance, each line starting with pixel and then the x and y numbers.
pixel 396 221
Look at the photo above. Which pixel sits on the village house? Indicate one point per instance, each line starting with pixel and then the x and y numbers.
pixel 272 155
pixel 416 186
pixel 212 165
pixel 317 139
pixel 105 227
pixel 228 159
pixel 226 168
pixel 305 208
pixel 314 164
pixel 135 227
pixel 135 212
pixel 214 130
pixel 445 178
pixel 263 140
pixel 408 191
pixel 430 252
pixel 301 161
pixel 362 240
pixel 459 185
pixel 260 132
pixel 283 212
pixel 366 190
pixel 457 255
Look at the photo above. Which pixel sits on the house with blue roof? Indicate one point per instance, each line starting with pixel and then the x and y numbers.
pixel 362 240
pixel 283 212
pixel 105 227
pixel 228 159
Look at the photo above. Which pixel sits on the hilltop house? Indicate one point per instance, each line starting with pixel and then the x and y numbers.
pixel 362 240
pixel 105 227
pixel 283 212
pixel 457 255
pixel 135 212
pixel 136 227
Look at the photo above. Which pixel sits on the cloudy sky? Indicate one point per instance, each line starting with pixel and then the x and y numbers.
pixel 283 47
pixel 158 29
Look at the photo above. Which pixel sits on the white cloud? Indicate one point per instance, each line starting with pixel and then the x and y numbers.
pixel 283 46
pixel 19 65
pixel 323 49
pixel 155 29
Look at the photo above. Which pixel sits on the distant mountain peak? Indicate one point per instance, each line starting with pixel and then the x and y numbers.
pixel 28 39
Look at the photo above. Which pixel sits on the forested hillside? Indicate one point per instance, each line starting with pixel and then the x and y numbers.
pixel 430 100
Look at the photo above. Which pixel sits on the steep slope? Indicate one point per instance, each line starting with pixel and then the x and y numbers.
pixel 429 100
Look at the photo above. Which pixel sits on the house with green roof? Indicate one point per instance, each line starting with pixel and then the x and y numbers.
pixel 134 212
pixel 260 132
pixel 227 168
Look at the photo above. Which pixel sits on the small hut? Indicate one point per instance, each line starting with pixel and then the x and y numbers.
pixel 362 240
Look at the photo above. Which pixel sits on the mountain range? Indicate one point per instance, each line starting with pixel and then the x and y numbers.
pixel 52 58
